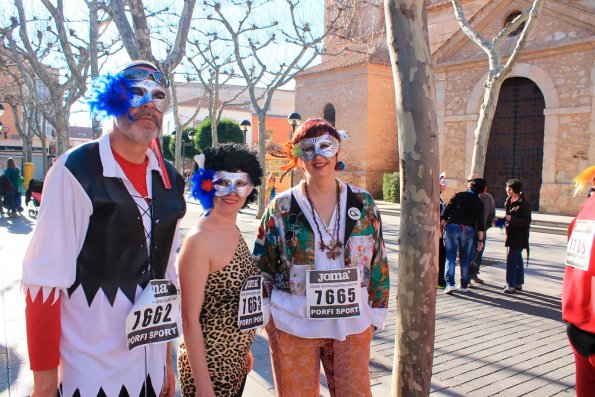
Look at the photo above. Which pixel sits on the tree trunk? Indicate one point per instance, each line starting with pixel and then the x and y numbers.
pixel 178 138
pixel 213 113
pixel 94 59
pixel 62 140
pixel 28 149
pixel 261 160
pixel 407 35
pixel 484 123
pixel 44 146
pixel 214 136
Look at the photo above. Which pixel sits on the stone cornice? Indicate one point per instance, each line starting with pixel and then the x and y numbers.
pixel 555 48
pixel 455 118
pixel 567 110
pixel 442 4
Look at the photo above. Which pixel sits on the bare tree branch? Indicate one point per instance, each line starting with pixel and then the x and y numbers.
pixel 137 38
pixel 250 40
pixel 532 12
pixel 467 29
pixel 497 71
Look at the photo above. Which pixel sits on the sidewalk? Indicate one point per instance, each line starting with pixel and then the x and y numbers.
pixel 486 343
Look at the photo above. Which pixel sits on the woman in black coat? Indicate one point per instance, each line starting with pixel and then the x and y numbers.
pixel 518 219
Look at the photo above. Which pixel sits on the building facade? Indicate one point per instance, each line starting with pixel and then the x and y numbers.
pixel 544 129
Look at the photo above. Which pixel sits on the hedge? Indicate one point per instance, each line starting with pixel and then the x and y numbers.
pixel 391 187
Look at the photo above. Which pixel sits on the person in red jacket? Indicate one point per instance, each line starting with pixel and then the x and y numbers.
pixel 578 299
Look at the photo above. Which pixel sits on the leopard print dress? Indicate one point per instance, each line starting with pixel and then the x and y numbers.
pixel 225 345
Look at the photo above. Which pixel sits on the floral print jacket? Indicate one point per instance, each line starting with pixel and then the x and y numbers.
pixel 284 248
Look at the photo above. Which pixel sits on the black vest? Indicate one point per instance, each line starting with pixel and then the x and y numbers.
pixel 114 254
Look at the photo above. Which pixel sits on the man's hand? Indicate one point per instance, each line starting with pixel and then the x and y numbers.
pixel 169 386
pixel 45 383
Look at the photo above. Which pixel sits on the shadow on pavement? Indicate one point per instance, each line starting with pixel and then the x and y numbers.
pixel 14 367
pixel 18 225
pixel 532 303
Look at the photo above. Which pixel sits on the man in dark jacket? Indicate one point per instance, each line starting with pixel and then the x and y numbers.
pixel 463 220
pixel 518 219
pixel 489 213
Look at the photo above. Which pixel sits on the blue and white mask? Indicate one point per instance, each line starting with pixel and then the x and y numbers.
pixel 229 182
pixel 146 91
pixel 324 145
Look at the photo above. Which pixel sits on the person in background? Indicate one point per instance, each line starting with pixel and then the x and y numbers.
pixel 321 230
pixel 441 248
pixel 518 219
pixel 462 221
pixel 489 213
pixel 13 198
pixel 578 299
pixel 271 182
pixel 105 241
pixel 214 266
pixel 584 179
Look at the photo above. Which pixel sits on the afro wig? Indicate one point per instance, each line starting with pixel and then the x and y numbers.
pixel 232 157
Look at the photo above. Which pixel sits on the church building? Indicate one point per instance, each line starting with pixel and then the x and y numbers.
pixel 544 128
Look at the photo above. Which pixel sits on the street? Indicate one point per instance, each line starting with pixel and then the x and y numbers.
pixel 487 342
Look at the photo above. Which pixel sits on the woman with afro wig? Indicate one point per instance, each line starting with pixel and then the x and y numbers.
pixel 221 287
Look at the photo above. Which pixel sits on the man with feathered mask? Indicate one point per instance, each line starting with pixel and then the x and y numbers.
pixel 104 248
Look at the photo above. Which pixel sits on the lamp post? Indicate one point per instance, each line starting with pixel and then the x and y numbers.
pixel 245 126
pixel 294 120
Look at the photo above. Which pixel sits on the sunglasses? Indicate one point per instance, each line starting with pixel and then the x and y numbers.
pixel 136 74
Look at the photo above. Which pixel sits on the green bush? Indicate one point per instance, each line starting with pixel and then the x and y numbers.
pixel 227 131
pixel 167 148
pixel 188 150
pixel 391 188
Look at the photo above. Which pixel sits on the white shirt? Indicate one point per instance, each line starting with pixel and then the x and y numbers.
pixel 289 310
pixel 93 349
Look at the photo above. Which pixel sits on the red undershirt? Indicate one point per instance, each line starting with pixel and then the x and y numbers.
pixel 43 318
pixel 136 173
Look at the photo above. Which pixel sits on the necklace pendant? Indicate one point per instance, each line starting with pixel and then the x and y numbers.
pixel 333 243
pixel 334 252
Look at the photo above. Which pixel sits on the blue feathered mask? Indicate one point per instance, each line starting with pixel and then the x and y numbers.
pixel 203 188
pixel 110 95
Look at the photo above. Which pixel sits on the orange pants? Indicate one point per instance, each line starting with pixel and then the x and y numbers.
pixel 296 364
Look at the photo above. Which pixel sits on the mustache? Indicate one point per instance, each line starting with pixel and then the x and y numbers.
pixel 147 112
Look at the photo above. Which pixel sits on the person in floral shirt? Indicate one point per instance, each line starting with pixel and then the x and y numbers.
pixel 321 253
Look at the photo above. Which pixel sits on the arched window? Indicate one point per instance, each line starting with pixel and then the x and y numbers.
pixel 509 19
pixel 329 113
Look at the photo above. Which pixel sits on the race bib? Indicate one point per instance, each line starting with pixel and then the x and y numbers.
pixel 250 311
pixel 155 316
pixel 580 245
pixel 333 293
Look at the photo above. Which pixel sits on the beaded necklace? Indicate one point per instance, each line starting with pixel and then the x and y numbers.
pixel 334 248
